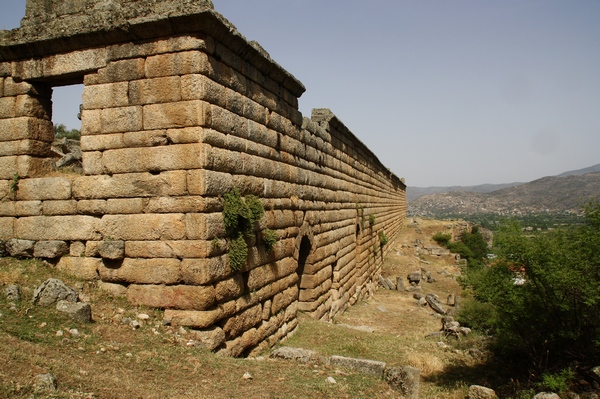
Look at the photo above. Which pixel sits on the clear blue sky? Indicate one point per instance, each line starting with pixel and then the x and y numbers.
pixel 457 92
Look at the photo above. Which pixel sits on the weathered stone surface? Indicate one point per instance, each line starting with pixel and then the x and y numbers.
pixel 204 271
pixel 143 227
pixel 212 338
pixel 130 185
pixel 405 379
pixel 112 249
pixel 79 311
pixel 7 228
pixel 193 318
pixel 45 382
pixel 435 303
pixel 67 228
pixel 52 291
pixel 83 268
pixel 142 271
pixel 46 188
pixel 162 158
pixel 116 290
pixel 184 297
pixel 12 292
pixel 50 249
pixel 364 366
pixel 545 395
pixel 229 288
pixel 20 248
pixel 297 354
pixel 480 392
pixel 239 323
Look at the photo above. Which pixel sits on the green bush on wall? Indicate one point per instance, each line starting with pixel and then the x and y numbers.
pixel 241 216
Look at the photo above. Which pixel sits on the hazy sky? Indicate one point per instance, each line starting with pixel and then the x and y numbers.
pixel 444 92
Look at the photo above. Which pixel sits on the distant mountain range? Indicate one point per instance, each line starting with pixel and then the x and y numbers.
pixel 413 193
pixel 566 192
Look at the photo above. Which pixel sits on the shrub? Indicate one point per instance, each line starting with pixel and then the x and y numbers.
pixel 553 317
pixel 442 239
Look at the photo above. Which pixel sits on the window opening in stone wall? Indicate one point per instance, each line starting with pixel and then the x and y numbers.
pixel 66 118
pixel 303 253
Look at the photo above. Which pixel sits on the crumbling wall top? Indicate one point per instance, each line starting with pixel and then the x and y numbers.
pixel 61 26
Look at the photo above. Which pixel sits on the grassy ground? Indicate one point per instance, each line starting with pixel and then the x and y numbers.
pixel 109 359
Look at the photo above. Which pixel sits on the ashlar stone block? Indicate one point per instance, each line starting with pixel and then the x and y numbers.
pixel 155 91
pixel 109 95
pixel 67 228
pixel 142 271
pixel 143 227
pixel 184 297
pixel 176 115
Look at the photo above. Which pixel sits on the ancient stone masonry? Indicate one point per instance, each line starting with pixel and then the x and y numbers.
pixel 178 109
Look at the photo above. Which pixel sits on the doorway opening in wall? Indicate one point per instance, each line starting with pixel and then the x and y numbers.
pixel 303 253
pixel 66 120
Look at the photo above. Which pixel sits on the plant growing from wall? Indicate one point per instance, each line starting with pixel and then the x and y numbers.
pixel 383 238
pixel 241 215
pixel 14 185
pixel 269 238
pixel 371 220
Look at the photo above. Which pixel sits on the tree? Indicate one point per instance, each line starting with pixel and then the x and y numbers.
pixel 545 293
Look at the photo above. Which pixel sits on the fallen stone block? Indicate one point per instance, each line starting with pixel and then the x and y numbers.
pixel 364 366
pixel 52 291
pixel 79 311
pixel 405 379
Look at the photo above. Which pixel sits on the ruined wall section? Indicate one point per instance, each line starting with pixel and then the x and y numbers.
pixel 169 125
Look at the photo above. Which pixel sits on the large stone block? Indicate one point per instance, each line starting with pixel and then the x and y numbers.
pixel 193 318
pixel 83 268
pixel 184 297
pixel 33 166
pixel 25 147
pixel 171 249
pixel 176 115
pixel 204 226
pixel 153 91
pixel 141 271
pixel 204 271
pixel 143 227
pixel 200 87
pixel 54 208
pixel 111 120
pixel 109 95
pixel 263 275
pixel 28 208
pixel 168 45
pixel 247 319
pixel 183 204
pixel 7 107
pixel 7 208
pixel 173 64
pixel 125 206
pixel 169 183
pixel 36 107
pixel 26 128
pixel 102 142
pixel 46 188
pixel 173 157
pixel 61 64
pixel 50 249
pixel 7 227
pixel 208 182
pixel 230 288
pixel 67 228
pixel 125 70
pixel 13 88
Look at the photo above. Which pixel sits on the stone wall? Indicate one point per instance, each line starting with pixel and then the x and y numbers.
pixel 176 112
